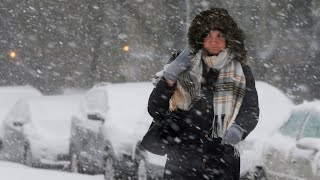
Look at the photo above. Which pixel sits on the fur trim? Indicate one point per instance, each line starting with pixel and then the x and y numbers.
pixel 217 18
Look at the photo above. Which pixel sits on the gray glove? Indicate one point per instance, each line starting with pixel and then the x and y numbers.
pixel 234 135
pixel 180 64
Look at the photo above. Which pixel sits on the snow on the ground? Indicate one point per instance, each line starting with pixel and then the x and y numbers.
pixel 14 171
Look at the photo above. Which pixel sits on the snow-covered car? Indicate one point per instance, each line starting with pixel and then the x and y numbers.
pixel 103 132
pixel 87 143
pixel 275 108
pixel 293 152
pixel 36 131
pixel 9 95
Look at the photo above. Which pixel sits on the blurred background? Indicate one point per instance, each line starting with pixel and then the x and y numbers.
pixel 53 45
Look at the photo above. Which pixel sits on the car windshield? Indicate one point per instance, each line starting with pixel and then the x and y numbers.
pixel 312 127
pixel 96 101
pixel 292 126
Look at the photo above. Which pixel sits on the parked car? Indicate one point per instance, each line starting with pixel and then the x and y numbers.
pixel 9 96
pixel 98 143
pixel 294 151
pixel 275 109
pixel 36 131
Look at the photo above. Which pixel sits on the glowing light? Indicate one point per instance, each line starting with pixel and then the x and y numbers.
pixel 125 48
pixel 12 54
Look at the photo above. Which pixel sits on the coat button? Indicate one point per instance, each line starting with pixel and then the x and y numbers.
pixel 206 135
pixel 204 160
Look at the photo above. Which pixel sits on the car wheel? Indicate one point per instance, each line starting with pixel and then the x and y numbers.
pixel 257 174
pixel 260 174
pixel 74 163
pixel 27 156
pixel 109 169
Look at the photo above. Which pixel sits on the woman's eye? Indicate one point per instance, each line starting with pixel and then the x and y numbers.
pixel 221 35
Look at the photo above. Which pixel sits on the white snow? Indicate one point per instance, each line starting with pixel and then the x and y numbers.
pixel 275 108
pixel 52 114
pixel 13 171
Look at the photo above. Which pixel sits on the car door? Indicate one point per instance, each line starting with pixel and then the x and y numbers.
pixel 305 161
pixel 14 141
pixel 279 161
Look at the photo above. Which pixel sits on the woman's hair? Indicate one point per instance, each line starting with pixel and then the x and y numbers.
pixel 217 19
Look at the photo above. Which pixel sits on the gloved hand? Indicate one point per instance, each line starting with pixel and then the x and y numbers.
pixel 234 135
pixel 180 64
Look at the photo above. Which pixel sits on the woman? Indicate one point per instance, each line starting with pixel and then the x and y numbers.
pixel 206 100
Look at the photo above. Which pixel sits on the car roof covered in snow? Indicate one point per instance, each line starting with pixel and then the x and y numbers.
pixel 50 115
pixel 312 105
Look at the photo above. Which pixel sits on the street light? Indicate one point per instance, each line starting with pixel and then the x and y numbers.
pixel 12 54
pixel 125 48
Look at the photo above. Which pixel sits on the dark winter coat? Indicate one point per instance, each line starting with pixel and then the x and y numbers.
pixel 190 146
pixel 191 153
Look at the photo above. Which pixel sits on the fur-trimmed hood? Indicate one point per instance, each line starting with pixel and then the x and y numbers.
pixel 217 19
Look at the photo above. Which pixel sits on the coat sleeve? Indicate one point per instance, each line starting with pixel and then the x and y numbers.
pixel 249 110
pixel 158 103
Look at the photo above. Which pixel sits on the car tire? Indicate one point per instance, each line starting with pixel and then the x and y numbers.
pixel 260 174
pixel 74 163
pixel 27 156
pixel 109 169
pixel 257 174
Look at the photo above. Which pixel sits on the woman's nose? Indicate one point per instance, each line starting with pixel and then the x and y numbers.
pixel 213 40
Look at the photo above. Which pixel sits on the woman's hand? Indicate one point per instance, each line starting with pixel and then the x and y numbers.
pixel 176 67
pixel 234 135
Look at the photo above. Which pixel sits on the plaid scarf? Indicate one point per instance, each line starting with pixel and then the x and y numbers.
pixel 228 94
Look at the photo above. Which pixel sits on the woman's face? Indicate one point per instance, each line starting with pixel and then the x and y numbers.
pixel 214 42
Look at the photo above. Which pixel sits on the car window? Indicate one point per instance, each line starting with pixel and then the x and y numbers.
pixel 312 127
pixel 292 126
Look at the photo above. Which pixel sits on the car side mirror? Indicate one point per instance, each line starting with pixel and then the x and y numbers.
pixel 1 145
pixel 309 144
pixel 96 117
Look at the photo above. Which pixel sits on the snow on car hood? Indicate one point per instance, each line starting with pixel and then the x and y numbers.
pixel 47 120
pixel 275 109
pixel 52 115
